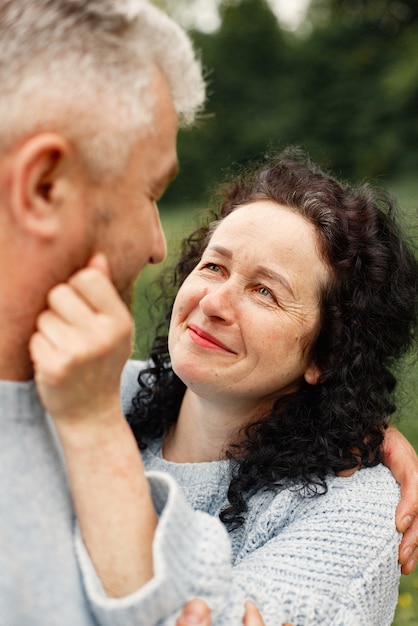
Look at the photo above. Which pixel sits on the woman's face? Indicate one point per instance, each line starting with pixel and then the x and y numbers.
pixel 244 319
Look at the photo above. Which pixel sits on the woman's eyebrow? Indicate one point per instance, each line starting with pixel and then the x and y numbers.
pixel 268 273
pixel 221 250
pixel 260 270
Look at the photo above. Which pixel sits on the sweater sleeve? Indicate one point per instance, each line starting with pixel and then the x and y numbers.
pixel 311 561
pixel 333 562
pixel 192 558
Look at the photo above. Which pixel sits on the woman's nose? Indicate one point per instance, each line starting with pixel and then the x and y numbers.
pixel 218 302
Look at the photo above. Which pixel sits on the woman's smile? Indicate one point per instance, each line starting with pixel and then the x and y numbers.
pixel 205 340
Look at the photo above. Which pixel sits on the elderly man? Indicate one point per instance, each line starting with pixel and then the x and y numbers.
pixel 91 92
pixel 91 95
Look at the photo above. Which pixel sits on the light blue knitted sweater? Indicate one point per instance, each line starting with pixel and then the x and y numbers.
pixel 330 560
pixel 312 561
pixel 46 577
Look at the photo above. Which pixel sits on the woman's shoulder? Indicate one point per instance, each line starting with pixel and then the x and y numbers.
pixel 370 495
pixel 371 489
pixel 332 546
pixel 371 484
pixel 355 516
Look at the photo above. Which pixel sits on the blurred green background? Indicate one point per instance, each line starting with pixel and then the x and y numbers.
pixel 341 80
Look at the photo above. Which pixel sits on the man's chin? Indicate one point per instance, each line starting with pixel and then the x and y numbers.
pixel 127 296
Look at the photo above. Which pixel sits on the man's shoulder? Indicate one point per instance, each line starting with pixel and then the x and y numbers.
pixel 129 382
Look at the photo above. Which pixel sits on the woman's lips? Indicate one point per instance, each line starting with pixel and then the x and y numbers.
pixel 205 340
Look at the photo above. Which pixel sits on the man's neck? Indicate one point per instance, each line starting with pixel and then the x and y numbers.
pixel 15 361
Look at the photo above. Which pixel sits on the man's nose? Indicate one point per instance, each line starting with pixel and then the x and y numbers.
pixel 159 245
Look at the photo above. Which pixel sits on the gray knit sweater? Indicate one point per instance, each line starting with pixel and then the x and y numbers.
pixel 46 577
pixel 329 559
pixel 325 560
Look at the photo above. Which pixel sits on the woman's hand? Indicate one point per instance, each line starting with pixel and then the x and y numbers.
pixel 197 613
pixel 400 457
pixel 82 342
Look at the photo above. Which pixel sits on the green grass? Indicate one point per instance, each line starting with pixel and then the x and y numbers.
pixel 179 222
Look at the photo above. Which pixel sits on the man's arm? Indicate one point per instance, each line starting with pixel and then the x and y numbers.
pixel 401 458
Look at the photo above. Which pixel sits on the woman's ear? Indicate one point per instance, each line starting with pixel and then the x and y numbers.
pixel 35 173
pixel 313 374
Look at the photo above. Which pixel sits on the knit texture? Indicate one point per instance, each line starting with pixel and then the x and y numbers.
pixel 46 576
pixel 327 559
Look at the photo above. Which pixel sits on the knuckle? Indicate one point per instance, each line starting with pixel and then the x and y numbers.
pixel 56 293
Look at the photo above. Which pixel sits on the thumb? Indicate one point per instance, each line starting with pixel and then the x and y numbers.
pixel 252 616
pixel 100 262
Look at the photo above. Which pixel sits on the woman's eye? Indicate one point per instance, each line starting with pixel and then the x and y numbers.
pixel 265 292
pixel 212 267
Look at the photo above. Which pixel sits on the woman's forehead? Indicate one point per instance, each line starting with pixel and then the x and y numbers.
pixel 274 236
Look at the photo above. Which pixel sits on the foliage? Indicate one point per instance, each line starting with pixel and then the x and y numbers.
pixel 347 91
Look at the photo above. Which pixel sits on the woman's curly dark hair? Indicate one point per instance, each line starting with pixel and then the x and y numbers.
pixel 368 320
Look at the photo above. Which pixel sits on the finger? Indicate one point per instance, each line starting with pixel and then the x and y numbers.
pixel 47 360
pixel 40 349
pixel 401 458
pixel 195 613
pixel 65 306
pixel 408 549
pixel 407 511
pixel 67 335
pixel 252 616
pixel 53 328
pixel 411 564
pixel 98 291
pixel 100 262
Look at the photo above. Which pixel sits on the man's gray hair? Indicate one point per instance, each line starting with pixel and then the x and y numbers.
pixel 83 66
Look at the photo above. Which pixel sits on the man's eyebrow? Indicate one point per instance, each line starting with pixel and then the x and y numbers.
pixel 268 273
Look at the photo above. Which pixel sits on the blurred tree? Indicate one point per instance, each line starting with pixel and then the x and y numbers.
pixel 247 68
pixel 347 90
pixel 388 16
pixel 370 101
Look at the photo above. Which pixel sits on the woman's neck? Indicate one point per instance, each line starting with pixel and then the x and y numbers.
pixel 204 430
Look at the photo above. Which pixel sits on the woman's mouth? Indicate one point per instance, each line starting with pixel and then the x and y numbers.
pixel 205 340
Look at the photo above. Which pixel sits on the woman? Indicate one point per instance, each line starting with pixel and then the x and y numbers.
pixel 292 307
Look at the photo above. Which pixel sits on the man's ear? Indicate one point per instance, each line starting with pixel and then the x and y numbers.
pixel 35 174
pixel 313 374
